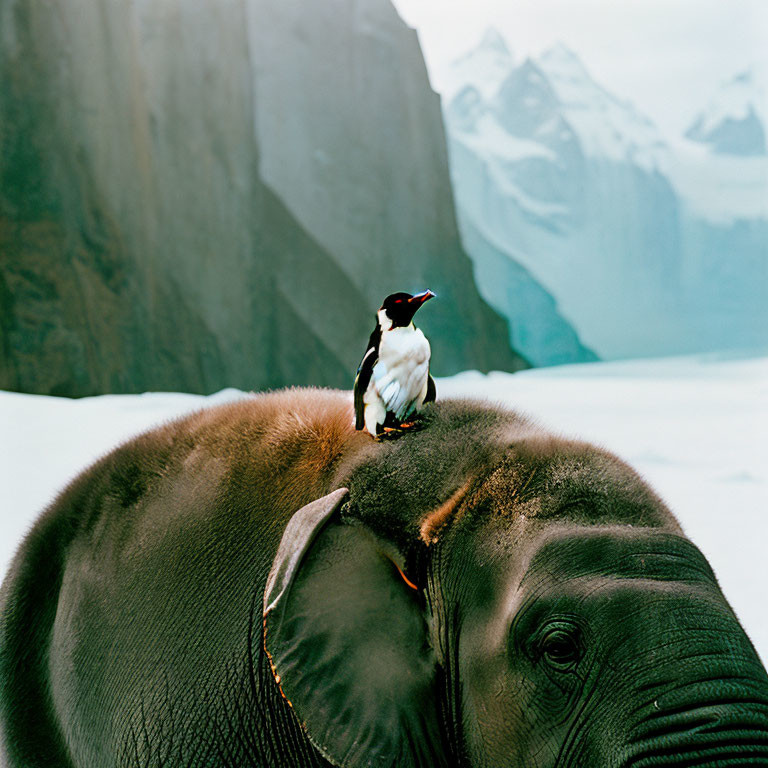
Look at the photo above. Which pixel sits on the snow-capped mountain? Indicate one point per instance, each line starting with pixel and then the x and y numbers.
pixel 606 126
pixel 553 87
pixel 733 123
pixel 647 248
pixel 484 66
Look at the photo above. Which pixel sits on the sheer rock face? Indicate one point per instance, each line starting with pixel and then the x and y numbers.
pixel 176 213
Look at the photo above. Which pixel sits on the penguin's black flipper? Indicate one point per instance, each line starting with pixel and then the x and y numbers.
pixel 431 390
pixel 363 378
pixel 359 391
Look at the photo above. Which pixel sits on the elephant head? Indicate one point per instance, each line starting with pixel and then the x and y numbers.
pixel 536 607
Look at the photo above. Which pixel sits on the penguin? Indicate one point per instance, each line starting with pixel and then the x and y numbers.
pixel 393 380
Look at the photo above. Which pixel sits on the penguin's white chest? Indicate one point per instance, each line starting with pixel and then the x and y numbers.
pixel 400 374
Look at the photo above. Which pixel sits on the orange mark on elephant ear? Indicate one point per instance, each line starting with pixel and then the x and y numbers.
pixel 436 520
pixel 272 667
pixel 404 577
pixel 401 572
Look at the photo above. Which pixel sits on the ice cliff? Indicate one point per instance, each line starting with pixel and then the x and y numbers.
pixel 215 194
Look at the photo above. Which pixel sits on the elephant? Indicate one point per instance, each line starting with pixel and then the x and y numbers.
pixel 258 584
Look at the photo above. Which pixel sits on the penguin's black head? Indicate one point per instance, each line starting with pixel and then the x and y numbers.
pixel 399 308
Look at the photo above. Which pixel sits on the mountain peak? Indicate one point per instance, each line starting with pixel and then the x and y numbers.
pixel 733 122
pixel 493 41
pixel 485 65
pixel 562 64
pixel 560 53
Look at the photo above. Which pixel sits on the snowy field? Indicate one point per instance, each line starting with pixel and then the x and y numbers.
pixel 696 429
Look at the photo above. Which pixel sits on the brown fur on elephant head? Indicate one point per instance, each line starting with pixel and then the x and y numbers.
pixel 260 585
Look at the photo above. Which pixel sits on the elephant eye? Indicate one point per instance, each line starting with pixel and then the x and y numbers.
pixel 560 647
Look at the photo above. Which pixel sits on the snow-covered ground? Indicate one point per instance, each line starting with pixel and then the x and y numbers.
pixel 696 428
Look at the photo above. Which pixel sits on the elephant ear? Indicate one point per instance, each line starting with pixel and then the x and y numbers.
pixel 348 646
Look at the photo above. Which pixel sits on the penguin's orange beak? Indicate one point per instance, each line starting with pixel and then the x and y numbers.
pixel 420 298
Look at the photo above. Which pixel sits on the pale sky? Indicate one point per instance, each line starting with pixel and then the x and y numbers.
pixel 665 56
